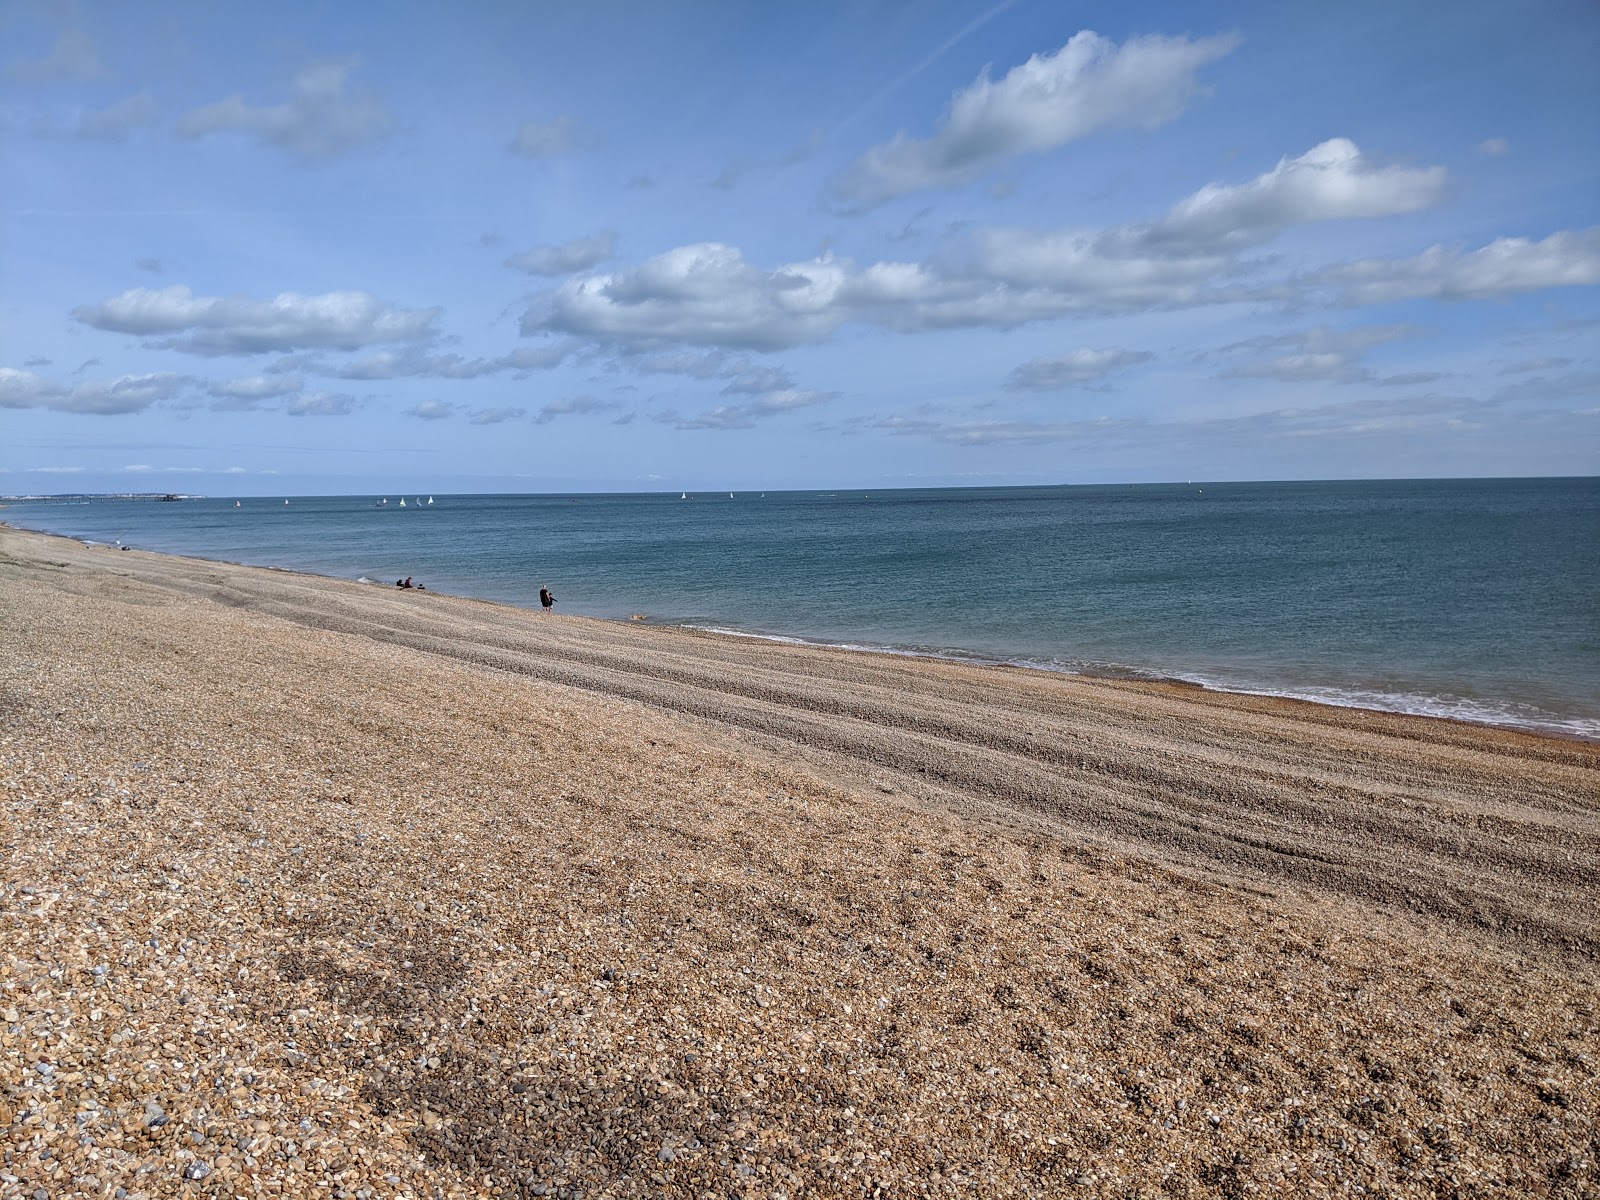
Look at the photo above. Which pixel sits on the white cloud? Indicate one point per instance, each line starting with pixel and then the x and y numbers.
pixel 541 139
pixel 319 121
pixel 709 295
pixel 577 255
pixel 256 387
pixel 1090 84
pixel 72 57
pixel 1081 368
pixel 1568 258
pixel 250 394
pixel 1494 145
pixel 23 389
pixel 432 410
pixel 744 416
pixel 320 404
pixel 1332 181
pixel 702 294
pixel 209 325
pixel 111 397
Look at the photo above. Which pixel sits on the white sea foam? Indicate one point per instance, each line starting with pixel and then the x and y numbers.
pixel 1508 715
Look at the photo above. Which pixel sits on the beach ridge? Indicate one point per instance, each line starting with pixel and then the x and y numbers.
pixel 321 887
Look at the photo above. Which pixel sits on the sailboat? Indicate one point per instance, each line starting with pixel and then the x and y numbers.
pixel 730 495
pixel 683 495
pixel 402 501
pixel 236 504
pixel 430 499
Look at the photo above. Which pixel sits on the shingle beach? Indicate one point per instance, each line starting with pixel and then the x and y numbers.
pixel 322 889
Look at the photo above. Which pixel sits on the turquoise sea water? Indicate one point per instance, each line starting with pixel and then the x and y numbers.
pixel 1474 599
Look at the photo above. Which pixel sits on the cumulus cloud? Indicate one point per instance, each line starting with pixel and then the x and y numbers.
pixel 320 404
pixel 72 57
pixel 319 121
pixel 209 325
pixel 432 410
pixel 256 387
pixel 1081 368
pixel 250 393
pixel 1568 258
pixel 1088 85
pixel 1332 181
pixel 542 139
pixel 576 405
pixel 112 397
pixel 577 255
pixel 702 294
pixel 1320 355
pixel 744 416
pixel 709 296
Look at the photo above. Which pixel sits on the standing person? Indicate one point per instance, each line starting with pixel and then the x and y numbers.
pixel 546 600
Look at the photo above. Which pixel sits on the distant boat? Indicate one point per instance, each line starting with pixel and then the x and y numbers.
pixel 286 502
pixel 236 504
pixel 430 499
pixel 419 501
pixel 402 501
pixel 730 495
pixel 683 495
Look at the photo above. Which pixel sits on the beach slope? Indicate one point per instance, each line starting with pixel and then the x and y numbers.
pixel 319 888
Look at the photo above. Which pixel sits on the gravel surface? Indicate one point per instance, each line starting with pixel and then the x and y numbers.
pixel 321 889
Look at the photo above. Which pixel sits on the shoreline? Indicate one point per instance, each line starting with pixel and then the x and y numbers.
pixel 312 887
pixel 1552 728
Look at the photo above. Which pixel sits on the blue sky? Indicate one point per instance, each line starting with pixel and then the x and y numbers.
pixel 298 248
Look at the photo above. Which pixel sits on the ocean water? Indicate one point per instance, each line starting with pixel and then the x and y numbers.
pixel 1473 599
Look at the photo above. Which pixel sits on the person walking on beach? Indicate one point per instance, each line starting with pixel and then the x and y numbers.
pixel 546 600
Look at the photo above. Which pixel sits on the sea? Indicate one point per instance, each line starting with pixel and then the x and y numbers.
pixel 1475 599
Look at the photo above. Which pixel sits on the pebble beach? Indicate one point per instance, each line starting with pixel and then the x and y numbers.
pixel 320 889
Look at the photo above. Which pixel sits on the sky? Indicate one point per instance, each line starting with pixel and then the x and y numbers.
pixel 305 248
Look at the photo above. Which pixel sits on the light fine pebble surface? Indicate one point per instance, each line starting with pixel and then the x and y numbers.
pixel 319 889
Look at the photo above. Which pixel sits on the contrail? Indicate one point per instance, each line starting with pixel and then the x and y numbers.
pixel 944 48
